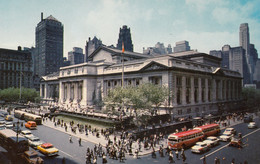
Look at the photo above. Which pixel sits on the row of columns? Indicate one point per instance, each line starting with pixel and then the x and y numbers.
pixel 220 90
pixel 71 92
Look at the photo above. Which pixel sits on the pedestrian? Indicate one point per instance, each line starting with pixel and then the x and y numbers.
pixel 79 141
pixel 177 154
pixel 233 161
pixel 63 160
pixel 171 157
pixel 204 160
pixel 183 158
pixel 217 161
pixel 70 139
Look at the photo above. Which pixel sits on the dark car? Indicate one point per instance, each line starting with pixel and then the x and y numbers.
pixel 248 118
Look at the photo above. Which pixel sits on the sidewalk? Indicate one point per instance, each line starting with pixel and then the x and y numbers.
pixel 92 138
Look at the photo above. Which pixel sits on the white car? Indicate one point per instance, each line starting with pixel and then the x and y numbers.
pixel 9 125
pixel 211 141
pixel 199 147
pixel 225 137
pixel 34 141
pixel 230 131
pixel 251 125
pixel 26 133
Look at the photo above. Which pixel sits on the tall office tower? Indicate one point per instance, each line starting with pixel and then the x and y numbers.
pixel 182 46
pixel 16 68
pixel 125 36
pixel 49 45
pixel 91 46
pixel 76 56
pixel 169 49
pixel 244 41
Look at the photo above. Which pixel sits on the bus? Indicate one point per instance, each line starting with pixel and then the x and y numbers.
pixel 209 130
pixel 19 114
pixel 13 143
pixel 33 117
pixel 185 139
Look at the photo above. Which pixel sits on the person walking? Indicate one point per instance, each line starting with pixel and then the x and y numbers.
pixel 79 141
pixel 204 160
pixel 216 161
pixel 171 157
pixel 177 154
pixel 70 139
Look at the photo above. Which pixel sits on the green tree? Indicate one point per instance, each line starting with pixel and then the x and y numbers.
pixel 251 97
pixel 13 94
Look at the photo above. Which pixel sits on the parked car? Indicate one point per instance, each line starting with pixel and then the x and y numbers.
pixel 199 147
pixel 230 131
pixel 225 137
pixel 9 125
pixel 251 125
pixel 212 141
pixel 48 149
pixel 30 125
pixel 26 133
pixel 2 127
pixel 34 141
pixel 31 157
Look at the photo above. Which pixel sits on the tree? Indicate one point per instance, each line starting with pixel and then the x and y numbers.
pixel 13 94
pixel 251 97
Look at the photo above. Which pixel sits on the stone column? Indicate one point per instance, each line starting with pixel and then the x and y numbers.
pixel 220 90
pixel 199 90
pixel 76 92
pixel 61 91
pixel 223 90
pixel 45 91
pixel 84 93
pixel 213 90
pixel 192 90
pixel 206 90
pixel 41 91
pixel 174 102
pixel 183 99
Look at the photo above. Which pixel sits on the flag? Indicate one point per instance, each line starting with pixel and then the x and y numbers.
pixel 123 47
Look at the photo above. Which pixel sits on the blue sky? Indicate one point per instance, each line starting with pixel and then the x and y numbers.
pixel 206 24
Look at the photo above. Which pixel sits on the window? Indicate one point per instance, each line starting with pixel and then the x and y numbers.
pixel 179 112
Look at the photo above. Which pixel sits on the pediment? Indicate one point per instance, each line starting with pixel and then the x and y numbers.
pixel 154 66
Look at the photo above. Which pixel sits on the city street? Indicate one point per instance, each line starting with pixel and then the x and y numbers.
pixel 73 153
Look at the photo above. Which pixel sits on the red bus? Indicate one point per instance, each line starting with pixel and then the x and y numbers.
pixel 184 139
pixel 209 130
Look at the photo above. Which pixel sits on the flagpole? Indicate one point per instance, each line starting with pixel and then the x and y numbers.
pixel 123 50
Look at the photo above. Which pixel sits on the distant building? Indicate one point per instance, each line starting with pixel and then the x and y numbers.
pixel 242 59
pixel 65 62
pixel 125 37
pixel 15 67
pixel 182 46
pixel 49 46
pixel 91 46
pixel 158 49
pixel 233 58
pixel 76 56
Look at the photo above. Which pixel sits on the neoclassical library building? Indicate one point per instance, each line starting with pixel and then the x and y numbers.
pixel 196 82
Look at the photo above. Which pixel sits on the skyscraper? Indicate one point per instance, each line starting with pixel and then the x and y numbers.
pixel 91 46
pixel 182 46
pixel 244 41
pixel 125 36
pixel 49 45
pixel 76 56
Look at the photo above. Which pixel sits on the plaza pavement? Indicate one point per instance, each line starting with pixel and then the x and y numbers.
pixel 92 138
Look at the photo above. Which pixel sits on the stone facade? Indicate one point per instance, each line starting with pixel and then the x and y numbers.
pixel 195 87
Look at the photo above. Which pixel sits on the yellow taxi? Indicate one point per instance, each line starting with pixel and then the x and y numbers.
pixel 48 149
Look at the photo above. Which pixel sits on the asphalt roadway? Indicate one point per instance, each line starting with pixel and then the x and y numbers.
pixel 75 154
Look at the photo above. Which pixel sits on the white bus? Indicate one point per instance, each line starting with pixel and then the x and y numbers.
pixel 19 114
pixel 33 117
